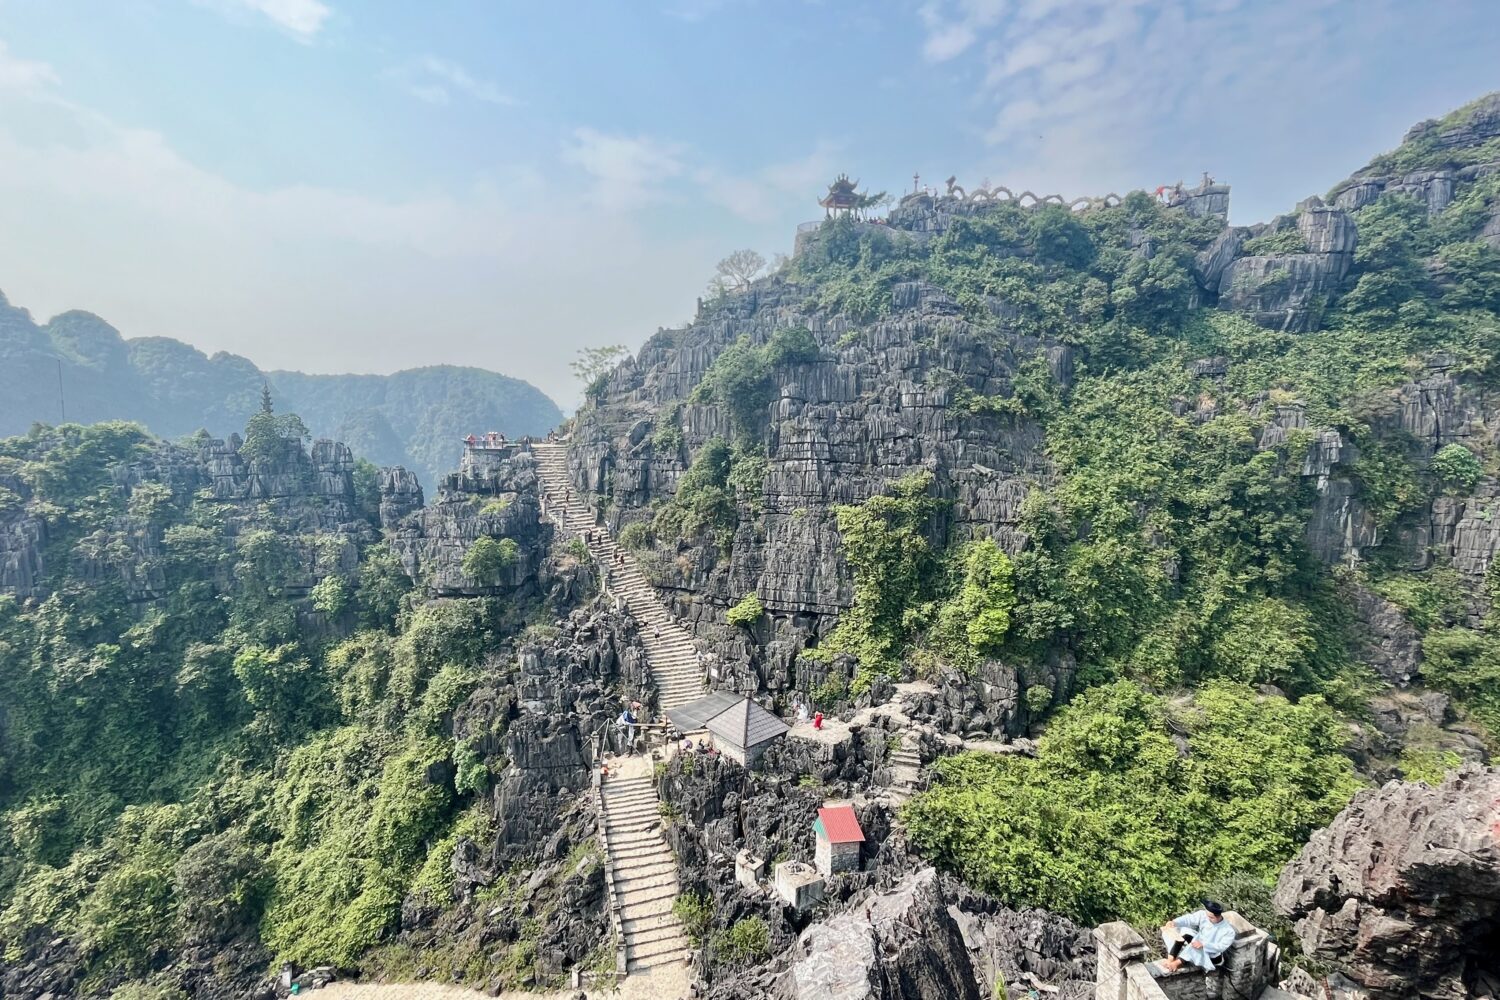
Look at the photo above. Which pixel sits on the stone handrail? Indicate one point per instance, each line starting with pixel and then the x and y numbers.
pixel 616 926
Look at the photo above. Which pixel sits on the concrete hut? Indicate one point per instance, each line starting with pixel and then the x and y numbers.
pixel 839 840
pixel 741 729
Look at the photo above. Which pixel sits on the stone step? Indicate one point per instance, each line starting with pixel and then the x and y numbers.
pixel 663 880
pixel 667 932
pixel 631 803
pixel 634 925
pixel 655 953
pixel 620 855
pixel 639 900
pixel 646 865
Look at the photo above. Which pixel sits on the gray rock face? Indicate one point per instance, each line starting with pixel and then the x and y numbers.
pixel 1402 889
pixel 400 495
pixel 1289 291
pixel 432 541
pixel 900 945
pixel 1388 642
pixel 879 405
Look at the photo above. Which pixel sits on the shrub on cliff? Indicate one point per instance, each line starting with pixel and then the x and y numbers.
pixel 488 559
pixel 746 613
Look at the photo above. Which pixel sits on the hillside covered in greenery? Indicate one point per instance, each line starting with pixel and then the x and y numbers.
pixel 226 721
pixel 413 418
pixel 1198 519
pixel 1206 507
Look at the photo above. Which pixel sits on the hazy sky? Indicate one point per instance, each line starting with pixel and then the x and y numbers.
pixel 367 185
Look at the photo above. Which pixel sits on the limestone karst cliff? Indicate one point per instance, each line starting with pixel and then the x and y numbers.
pixel 1118 547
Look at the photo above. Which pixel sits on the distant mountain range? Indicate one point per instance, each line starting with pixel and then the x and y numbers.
pixel 414 418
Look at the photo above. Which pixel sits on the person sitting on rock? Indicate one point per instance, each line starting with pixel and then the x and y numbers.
pixel 1196 938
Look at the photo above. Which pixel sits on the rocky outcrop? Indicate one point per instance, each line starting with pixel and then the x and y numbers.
pixel 884 400
pixel 1289 291
pixel 432 541
pixel 308 495
pixel 899 945
pixel 921 935
pixel 1402 889
pixel 1387 641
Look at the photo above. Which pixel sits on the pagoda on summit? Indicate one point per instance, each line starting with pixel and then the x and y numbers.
pixel 843 200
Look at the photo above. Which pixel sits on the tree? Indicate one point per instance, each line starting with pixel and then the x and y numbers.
pixel 735 272
pixel 488 559
pixel 593 363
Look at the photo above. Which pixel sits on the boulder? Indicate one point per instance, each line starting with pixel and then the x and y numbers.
pixel 1402 890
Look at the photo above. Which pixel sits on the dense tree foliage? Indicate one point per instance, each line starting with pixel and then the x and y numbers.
pixel 231 758
pixel 1112 820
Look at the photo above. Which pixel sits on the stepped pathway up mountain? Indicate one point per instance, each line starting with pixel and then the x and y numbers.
pixel 643 871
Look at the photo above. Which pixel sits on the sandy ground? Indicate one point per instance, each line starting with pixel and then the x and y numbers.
pixel 663 983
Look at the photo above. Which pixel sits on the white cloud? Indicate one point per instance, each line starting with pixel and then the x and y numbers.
pixel 1083 96
pixel 436 80
pixel 116 220
pixel 302 19
pixel 761 196
pixel 952 27
pixel 627 172
pixel 24 75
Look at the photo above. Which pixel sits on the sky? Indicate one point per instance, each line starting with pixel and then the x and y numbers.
pixel 370 185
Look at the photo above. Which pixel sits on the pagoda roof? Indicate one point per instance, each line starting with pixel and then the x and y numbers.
pixel 729 716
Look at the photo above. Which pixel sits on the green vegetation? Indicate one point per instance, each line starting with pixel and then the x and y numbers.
pixel 886 542
pixel 748 941
pixel 696 913
pixel 223 765
pixel 488 558
pixel 704 503
pixel 740 377
pixel 1457 468
pixel 1272 244
pixel 1111 821
pixel 746 613
pixel 1429 765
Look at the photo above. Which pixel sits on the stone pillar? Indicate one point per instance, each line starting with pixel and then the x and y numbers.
pixel 1247 964
pixel 1117 947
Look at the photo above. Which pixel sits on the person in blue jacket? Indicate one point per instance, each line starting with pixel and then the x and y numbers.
pixel 1197 938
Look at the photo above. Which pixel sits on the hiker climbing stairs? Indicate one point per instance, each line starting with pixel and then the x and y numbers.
pixel 643 872
pixel 669 647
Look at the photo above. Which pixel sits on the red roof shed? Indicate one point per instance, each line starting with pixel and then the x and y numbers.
pixel 839 825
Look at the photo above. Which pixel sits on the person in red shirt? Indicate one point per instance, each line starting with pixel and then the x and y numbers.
pixel 817 720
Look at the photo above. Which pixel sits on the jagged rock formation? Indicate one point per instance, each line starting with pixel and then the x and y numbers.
pixel 1286 291
pixel 901 945
pixel 878 405
pixel 1402 890
pixel 1446 149
pixel 924 937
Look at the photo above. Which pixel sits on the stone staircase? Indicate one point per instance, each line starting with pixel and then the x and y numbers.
pixel 669 647
pixel 643 873
pixel 641 870
pixel 906 770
